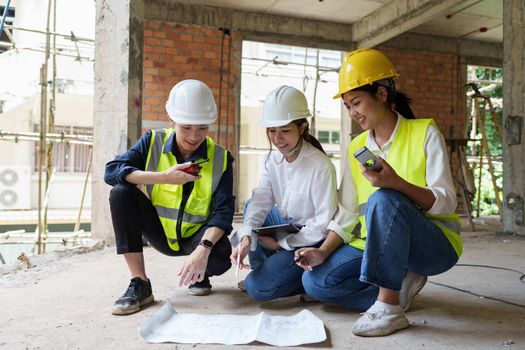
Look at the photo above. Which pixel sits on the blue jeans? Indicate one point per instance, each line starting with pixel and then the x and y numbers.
pixel 336 281
pixel 400 238
pixel 274 274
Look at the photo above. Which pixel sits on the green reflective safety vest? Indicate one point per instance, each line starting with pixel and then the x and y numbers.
pixel 407 157
pixel 167 198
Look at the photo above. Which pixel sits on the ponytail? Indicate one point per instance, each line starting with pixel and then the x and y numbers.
pixel 401 104
pixel 398 101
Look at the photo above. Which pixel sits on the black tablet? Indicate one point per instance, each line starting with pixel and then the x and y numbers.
pixel 277 230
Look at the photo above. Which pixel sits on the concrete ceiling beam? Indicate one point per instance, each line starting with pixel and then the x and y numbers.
pixel 326 35
pixel 320 32
pixel 472 52
pixel 398 17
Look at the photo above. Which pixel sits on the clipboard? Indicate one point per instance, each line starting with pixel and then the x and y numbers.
pixel 278 231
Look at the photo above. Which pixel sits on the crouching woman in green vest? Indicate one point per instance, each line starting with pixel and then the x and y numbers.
pixel 188 209
pixel 404 202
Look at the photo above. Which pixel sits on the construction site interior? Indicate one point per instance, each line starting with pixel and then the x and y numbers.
pixel 82 81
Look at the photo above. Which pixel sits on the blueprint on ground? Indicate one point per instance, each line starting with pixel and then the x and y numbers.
pixel 167 325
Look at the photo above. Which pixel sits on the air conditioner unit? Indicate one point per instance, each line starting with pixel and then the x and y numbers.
pixel 15 187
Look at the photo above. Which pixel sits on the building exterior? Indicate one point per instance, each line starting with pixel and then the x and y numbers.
pixel 20 100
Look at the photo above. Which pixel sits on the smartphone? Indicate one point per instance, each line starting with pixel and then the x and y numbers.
pixel 368 159
pixel 195 168
pixel 199 161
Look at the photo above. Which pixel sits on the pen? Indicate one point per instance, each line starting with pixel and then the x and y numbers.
pixel 238 262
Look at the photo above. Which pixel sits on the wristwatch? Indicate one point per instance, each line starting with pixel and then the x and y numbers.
pixel 206 244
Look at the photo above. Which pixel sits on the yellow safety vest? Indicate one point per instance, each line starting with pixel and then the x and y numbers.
pixel 407 158
pixel 167 198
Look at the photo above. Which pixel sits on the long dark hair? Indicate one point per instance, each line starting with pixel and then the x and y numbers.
pixel 399 101
pixel 305 136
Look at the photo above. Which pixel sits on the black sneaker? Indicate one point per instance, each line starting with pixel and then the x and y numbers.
pixel 138 294
pixel 200 288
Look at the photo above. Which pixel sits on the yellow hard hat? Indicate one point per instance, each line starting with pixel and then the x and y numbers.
pixel 362 67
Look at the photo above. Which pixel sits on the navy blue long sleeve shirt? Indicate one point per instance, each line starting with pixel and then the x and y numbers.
pixel 135 159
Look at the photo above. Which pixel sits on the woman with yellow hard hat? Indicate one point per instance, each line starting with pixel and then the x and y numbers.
pixel 399 189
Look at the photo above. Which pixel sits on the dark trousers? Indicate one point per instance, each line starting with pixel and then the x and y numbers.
pixel 133 215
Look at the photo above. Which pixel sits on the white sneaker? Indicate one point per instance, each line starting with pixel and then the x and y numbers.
pixel 411 286
pixel 381 319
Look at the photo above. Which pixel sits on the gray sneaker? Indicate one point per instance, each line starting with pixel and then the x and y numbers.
pixel 138 294
pixel 411 286
pixel 200 288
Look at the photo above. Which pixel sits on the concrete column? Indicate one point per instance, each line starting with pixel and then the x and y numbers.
pixel 513 109
pixel 118 95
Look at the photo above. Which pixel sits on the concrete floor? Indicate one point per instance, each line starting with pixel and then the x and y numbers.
pixel 65 303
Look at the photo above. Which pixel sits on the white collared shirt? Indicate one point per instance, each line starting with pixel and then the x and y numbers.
pixel 438 179
pixel 304 190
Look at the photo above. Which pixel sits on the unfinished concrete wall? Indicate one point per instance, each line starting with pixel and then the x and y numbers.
pixel 513 111
pixel 173 52
pixel 118 94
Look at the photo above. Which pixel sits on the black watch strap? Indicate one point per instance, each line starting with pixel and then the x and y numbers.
pixel 206 244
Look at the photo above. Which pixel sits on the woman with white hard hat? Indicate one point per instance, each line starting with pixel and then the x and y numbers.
pixel 189 208
pixel 297 185
pixel 399 189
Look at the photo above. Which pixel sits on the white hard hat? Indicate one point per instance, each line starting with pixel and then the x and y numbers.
pixel 282 106
pixel 191 102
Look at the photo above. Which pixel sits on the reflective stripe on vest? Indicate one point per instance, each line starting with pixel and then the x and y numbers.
pixel 408 159
pixel 192 219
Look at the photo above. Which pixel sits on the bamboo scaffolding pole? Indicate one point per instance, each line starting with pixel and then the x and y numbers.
pixel 305 76
pixel 50 171
pixel 32 242
pixel 12 46
pixel 77 223
pixel 495 119
pixel 83 235
pixel 285 63
pixel 9 36
pixel 42 224
pixel 316 85
pixel 57 138
pixel 21 237
pixel 48 140
pixel 45 204
pixel 464 192
pixel 71 36
pixel 473 130
pixel 478 209
pixel 28 235
pixel 41 152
